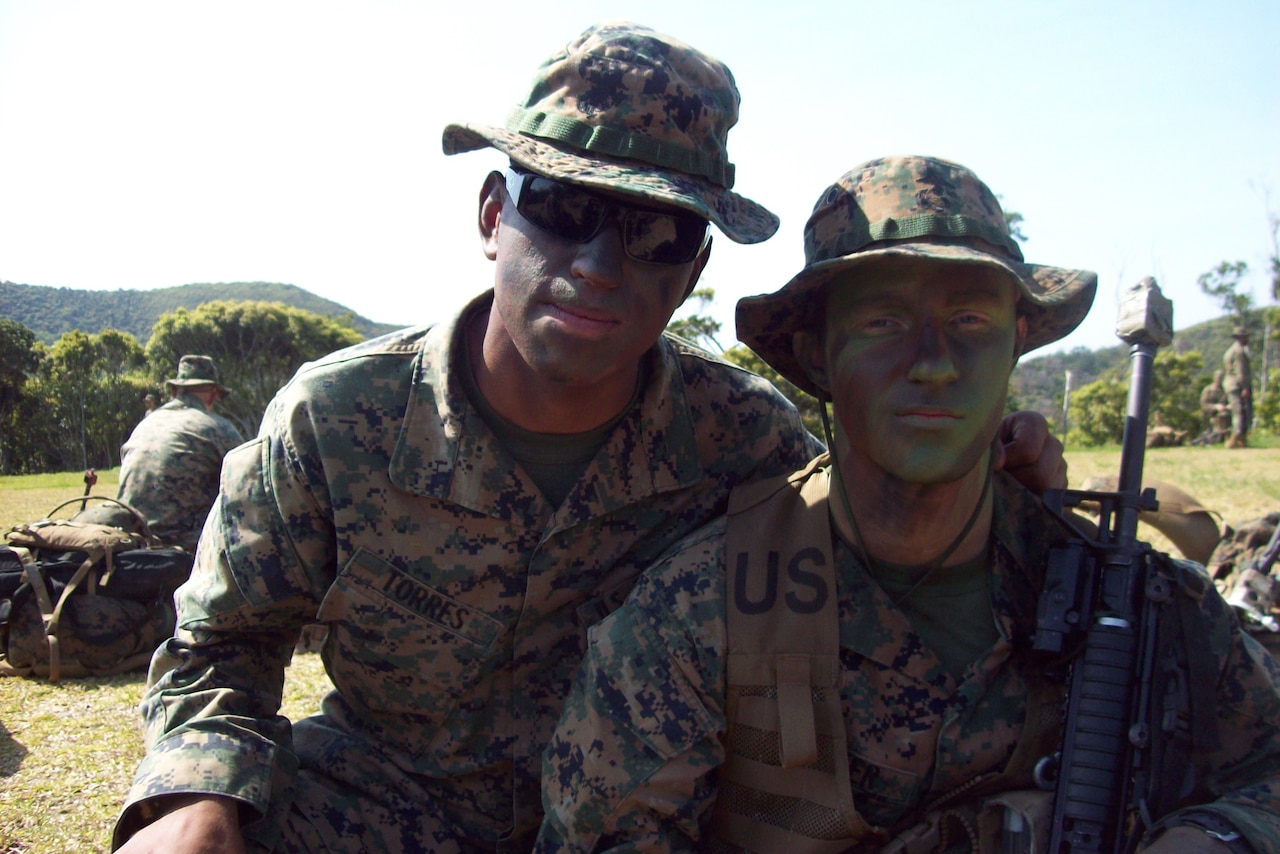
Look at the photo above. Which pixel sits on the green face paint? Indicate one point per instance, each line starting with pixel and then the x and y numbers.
pixel 917 357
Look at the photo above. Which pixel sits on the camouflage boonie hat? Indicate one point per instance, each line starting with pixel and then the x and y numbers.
pixel 1240 332
pixel 626 109
pixel 198 370
pixel 907 207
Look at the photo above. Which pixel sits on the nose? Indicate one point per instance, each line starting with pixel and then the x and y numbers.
pixel 600 260
pixel 933 362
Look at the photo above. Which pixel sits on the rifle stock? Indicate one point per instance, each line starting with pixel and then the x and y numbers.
pixel 1102 594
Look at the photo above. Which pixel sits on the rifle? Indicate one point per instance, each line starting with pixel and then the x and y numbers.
pixel 1127 713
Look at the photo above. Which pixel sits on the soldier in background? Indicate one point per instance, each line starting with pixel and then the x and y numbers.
pixel 1237 381
pixel 1215 412
pixel 148 404
pixel 845 660
pixel 460 503
pixel 169 466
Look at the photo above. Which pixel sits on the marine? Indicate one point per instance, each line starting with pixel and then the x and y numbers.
pixel 169 465
pixel 844 662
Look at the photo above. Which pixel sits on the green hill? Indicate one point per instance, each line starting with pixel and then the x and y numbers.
pixel 50 312
pixel 1038 382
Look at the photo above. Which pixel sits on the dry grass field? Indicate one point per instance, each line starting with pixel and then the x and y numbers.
pixel 67 751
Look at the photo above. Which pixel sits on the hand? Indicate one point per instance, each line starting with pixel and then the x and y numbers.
pixel 1027 450
pixel 197 824
pixel 1186 840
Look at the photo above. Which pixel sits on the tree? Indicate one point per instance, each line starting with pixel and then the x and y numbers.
pixel 91 388
pixel 1097 411
pixel 18 360
pixel 1222 283
pixel 1176 382
pixel 258 346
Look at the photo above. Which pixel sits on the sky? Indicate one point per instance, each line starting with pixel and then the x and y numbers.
pixel 152 144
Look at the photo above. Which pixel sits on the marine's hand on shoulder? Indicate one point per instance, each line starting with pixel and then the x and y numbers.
pixel 1027 450
pixel 196 824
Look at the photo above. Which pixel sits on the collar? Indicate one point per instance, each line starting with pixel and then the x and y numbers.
pixel 446 451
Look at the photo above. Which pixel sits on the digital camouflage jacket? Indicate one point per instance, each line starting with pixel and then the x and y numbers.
pixel 633 765
pixel 169 467
pixel 376 501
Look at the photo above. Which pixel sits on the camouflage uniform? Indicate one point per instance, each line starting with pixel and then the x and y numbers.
pixel 169 467
pixel 633 765
pixel 646 746
pixel 1237 382
pixel 377 501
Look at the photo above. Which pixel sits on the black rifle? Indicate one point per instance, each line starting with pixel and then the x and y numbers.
pixel 1101 607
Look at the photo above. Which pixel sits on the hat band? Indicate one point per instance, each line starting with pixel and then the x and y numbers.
pixel 853 239
pixel 604 140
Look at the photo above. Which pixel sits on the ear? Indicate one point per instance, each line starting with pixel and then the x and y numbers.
pixel 810 353
pixel 695 272
pixel 1020 340
pixel 493 195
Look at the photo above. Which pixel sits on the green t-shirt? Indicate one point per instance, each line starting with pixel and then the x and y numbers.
pixel 555 461
pixel 951 610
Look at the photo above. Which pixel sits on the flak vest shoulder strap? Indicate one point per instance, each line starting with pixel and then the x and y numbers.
pixel 785 784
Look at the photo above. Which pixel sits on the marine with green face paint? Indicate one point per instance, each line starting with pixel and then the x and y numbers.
pixel 844 662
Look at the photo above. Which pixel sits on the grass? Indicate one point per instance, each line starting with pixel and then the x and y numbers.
pixel 68 751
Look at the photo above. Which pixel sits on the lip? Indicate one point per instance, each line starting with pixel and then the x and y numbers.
pixel 928 416
pixel 582 318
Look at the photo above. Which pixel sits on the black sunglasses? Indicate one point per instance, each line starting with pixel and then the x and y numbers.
pixel 578 215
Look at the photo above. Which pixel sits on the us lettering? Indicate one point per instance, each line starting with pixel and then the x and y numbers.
pixel 801 581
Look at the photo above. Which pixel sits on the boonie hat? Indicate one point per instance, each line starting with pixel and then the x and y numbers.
pixel 1240 332
pixel 907 207
pixel 625 109
pixel 198 370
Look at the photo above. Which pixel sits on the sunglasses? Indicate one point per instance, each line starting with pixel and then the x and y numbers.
pixel 578 215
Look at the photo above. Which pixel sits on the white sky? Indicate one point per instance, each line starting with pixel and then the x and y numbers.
pixel 152 144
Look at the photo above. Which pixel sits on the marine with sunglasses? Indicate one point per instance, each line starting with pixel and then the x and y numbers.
pixel 459 503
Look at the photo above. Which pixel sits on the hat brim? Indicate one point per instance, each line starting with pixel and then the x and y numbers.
pixel 1056 301
pixel 188 383
pixel 741 219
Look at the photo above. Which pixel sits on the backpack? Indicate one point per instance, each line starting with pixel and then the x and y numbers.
pixel 84 598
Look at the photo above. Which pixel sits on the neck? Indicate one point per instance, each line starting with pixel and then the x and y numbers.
pixel 534 402
pixel 912 524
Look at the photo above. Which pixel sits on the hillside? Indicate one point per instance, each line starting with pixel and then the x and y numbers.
pixel 1038 382
pixel 49 312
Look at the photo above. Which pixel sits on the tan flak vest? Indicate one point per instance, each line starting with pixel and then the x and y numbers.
pixel 785 783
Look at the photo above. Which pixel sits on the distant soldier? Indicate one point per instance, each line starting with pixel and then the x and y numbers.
pixel 1237 381
pixel 149 403
pixel 170 465
pixel 1215 412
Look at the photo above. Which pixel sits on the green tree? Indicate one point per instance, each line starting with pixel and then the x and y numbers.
pixel 18 360
pixel 1176 382
pixel 122 383
pixel 91 388
pixel 1097 411
pixel 1223 284
pixel 258 346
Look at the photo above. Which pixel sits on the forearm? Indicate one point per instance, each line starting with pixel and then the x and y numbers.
pixel 632 765
pixel 212 722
